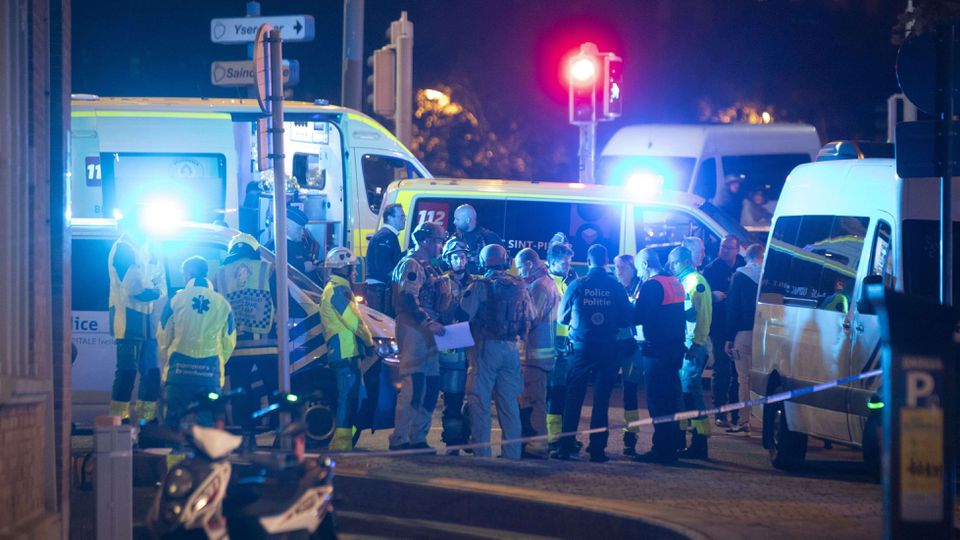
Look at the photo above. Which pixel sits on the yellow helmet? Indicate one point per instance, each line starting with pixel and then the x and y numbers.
pixel 243 239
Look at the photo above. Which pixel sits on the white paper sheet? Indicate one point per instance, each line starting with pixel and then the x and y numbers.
pixel 457 336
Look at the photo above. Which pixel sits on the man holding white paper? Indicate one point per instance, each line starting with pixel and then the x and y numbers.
pixel 539 354
pixel 453 361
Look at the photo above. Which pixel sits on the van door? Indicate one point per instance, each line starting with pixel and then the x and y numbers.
pixel 86 186
pixel 864 328
pixel 376 170
pixel 804 306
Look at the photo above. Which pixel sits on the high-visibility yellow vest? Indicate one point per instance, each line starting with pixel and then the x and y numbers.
pixel 197 324
pixel 342 325
pixel 130 317
pixel 562 329
pixel 698 306
pixel 245 283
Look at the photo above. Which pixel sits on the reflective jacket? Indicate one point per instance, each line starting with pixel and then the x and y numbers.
pixel 698 306
pixel 561 284
pixel 342 325
pixel 659 310
pixel 197 335
pixel 245 283
pixel 133 290
pixel 539 345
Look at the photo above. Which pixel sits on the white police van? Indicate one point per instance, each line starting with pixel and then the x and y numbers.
pixel 95 363
pixel 837 224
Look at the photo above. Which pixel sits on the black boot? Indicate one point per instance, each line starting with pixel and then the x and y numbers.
pixel 697 448
pixel 629 443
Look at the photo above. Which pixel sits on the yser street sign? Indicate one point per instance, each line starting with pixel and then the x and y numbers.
pixel 241 73
pixel 237 30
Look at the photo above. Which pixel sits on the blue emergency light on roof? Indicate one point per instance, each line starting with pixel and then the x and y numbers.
pixel 321 102
pixel 644 184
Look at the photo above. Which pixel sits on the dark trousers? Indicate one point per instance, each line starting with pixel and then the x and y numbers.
pixel 136 356
pixel 662 382
pixel 595 363
pixel 725 385
pixel 258 375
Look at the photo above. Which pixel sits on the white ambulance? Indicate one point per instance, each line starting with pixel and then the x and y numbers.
pixel 837 224
pixel 200 156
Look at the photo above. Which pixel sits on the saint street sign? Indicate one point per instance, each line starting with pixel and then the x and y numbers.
pixel 241 73
pixel 236 30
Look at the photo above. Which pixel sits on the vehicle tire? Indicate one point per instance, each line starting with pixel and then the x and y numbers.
pixel 873 444
pixel 328 528
pixel 788 449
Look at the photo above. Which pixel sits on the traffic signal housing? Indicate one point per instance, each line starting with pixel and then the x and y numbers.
pixel 383 81
pixel 582 72
pixel 612 85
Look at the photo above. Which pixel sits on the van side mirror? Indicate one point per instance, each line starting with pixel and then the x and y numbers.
pixel 864 305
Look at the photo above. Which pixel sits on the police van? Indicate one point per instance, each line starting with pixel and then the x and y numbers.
pixel 697 158
pixel 527 214
pixel 837 225
pixel 93 368
pixel 200 155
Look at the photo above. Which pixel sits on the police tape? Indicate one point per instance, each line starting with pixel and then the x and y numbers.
pixel 676 417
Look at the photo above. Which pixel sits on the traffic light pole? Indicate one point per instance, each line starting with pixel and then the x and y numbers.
pixel 351 85
pixel 588 152
pixel 401 36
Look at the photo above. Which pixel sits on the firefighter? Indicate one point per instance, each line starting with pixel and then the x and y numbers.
pixel 500 310
pixel 539 352
pixel 249 284
pixel 196 335
pixel 559 257
pixel 136 282
pixel 453 364
pixel 698 308
pixel 348 341
pixel 417 293
pixel 659 310
pixel 595 307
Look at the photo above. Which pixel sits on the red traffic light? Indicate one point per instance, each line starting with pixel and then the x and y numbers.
pixel 582 69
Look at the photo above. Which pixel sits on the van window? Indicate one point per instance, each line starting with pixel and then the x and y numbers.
pixel 706 182
pixel 439 210
pixel 91 281
pixel 379 171
pixel 881 259
pixel 174 253
pixel 675 171
pixel 921 258
pixel 662 230
pixel 812 261
pixel 765 171
pixel 533 223
pixel 307 171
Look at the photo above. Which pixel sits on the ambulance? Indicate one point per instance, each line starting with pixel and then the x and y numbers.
pixel 199 158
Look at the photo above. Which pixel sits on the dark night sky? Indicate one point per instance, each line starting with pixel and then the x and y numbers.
pixel 827 62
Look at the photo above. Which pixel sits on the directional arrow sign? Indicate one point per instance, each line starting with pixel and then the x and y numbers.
pixel 241 73
pixel 244 29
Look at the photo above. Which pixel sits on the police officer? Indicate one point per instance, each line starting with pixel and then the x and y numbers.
pixel 698 309
pixel 196 336
pixel 475 236
pixel 559 257
pixel 136 282
pixel 453 363
pixel 383 253
pixel 659 310
pixel 348 341
pixel 249 284
pixel 539 353
pixel 417 292
pixel 500 310
pixel 595 307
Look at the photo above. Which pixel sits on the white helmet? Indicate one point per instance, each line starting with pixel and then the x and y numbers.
pixel 339 257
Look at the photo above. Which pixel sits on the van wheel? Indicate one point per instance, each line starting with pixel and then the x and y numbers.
pixel 788 449
pixel 873 444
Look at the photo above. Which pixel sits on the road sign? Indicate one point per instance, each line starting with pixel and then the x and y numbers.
pixel 917 70
pixel 236 30
pixel 917 155
pixel 242 73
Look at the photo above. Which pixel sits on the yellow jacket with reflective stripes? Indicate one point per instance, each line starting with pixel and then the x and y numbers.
pixel 245 283
pixel 559 281
pixel 197 323
pixel 131 301
pixel 698 306
pixel 342 324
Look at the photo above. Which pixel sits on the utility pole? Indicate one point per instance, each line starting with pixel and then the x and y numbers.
pixel 401 37
pixel 351 84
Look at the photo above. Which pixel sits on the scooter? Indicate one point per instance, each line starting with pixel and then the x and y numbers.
pixel 215 495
